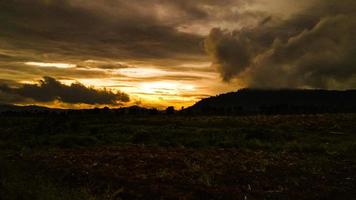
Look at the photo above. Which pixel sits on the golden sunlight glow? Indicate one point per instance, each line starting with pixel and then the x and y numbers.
pixel 197 65
pixel 163 87
pixel 141 72
pixel 148 85
pixel 158 94
pixel 58 65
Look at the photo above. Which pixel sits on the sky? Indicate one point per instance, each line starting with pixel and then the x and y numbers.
pixel 157 53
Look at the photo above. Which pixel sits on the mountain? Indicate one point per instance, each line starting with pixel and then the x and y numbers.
pixel 282 101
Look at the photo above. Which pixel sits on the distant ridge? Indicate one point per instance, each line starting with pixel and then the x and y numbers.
pixel 31 108
pixel 281 101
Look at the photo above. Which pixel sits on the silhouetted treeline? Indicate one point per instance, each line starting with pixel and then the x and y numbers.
pixel 283 101
pixel 12 110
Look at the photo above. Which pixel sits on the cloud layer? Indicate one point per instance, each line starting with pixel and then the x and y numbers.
pixel 109 29
pixel 50 90
pixel 314 48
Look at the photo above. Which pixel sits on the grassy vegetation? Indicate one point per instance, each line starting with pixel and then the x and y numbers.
pixel 329 134
pixel 316 144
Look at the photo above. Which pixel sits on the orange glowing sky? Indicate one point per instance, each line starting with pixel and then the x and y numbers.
pixel 158 53
pixel 148 85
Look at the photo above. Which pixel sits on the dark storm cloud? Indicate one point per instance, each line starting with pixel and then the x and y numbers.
pixel 6 98
pixel 314 48
pixel 49 90
pixel 110 28
pixel 232 52
pixel 77 30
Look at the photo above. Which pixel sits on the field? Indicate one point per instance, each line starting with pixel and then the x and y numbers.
pixel 108 156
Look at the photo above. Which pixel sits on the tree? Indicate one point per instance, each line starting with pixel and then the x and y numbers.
pixel 170 110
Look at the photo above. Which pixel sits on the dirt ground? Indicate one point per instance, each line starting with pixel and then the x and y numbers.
pixel 139 172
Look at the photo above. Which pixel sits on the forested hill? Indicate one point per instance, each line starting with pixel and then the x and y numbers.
pixel 283 101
